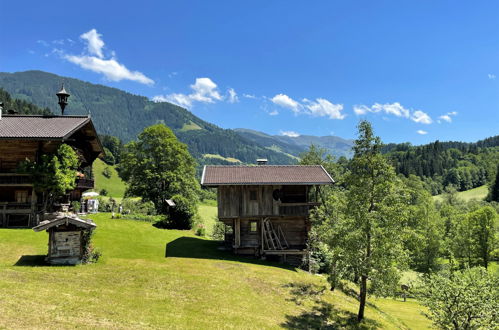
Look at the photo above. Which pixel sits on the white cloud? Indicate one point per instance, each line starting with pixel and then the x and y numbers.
pixel 204 90
pixel 286 102
pixel 249 96
pixel 421 117
pixel 422 132
pixel 274 113
pixel 361 109
pixel 318 108
pixel 111 69
pixel 323 108
pixel 232 96
pixel 94 42
pixel 95 61
pixel 491 76
pixel 395 109
pixel 43 43
pixel 289 133
pixel 447 117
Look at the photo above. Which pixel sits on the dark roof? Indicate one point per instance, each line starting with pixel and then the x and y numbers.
pixel 61 219
pixel 265 175
pixel 40 127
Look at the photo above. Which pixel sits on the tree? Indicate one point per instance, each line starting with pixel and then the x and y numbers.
pixel 494 188
pixel 368 237
pixel 476 237
pixel 158 167
pixel 467 299
pixel 53 174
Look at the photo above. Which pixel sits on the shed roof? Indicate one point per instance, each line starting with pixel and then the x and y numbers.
pixel 40 127
pixel 61 218
pixel 265 175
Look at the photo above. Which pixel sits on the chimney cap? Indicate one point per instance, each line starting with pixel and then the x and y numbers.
pixel 262 161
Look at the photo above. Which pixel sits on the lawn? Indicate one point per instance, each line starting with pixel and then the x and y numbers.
pixel 154 278
pixel 476 193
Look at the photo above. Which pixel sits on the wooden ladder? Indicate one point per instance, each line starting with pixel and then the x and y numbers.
pixel 273 238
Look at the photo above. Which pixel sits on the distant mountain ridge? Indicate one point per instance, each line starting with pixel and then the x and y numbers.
pixel 118 113
pixel 295 145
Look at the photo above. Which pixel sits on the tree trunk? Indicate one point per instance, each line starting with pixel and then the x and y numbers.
pixel 362 297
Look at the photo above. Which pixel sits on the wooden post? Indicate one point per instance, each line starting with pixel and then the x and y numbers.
pixel 261 234
pixel 237 233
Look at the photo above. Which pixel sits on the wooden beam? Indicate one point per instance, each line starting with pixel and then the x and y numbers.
pixel 237 233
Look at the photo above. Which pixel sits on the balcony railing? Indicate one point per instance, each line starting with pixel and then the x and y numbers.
pixel 84 183
pixel 15 179
pixel 296 209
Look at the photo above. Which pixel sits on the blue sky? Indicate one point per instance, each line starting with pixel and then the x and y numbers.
pixel 419 70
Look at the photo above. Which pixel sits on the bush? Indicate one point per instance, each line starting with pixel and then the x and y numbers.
pixel 90 254
pixel 208 194
pixel 132 206
pixel 76 206
pixel 218 231
pixel 103 192
pixel 107 172
pixel 183 214
pixel 200 230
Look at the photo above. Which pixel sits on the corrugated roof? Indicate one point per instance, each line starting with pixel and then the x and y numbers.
pixel 265 175
pixel 41 127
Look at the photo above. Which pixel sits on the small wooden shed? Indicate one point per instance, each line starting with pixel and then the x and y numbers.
pixel 66 238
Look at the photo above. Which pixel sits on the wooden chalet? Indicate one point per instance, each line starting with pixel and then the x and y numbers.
pixel 28 137
pixel 266 207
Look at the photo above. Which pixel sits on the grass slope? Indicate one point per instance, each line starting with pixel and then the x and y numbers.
pixel 477 193
pixel 114 185
pixel 153 278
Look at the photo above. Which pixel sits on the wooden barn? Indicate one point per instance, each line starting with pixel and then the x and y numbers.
pixel 28 137
pixel 266 207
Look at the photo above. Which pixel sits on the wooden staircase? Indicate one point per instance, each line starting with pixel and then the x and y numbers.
pixel 274 239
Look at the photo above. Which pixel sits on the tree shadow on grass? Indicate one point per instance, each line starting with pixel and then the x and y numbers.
pixel 31 261
pixel 322 315
pixel 198 248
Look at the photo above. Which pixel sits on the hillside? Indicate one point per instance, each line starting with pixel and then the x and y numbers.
pixel 297 144
pixel 477 193
pixel 195 285
pixel 114 185
pixel 124 115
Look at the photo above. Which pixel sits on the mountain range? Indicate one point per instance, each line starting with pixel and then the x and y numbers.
pixel 119 113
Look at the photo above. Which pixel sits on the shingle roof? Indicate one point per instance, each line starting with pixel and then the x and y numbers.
pixel 41 127
pixel 265 175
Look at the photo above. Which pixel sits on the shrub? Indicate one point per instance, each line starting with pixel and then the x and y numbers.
pixel 138 207
pixel 90 254
pixel 76 206
pixel 200 230
pixel 183 214
pixel 103 192
pixel 218 231
pixel 107 172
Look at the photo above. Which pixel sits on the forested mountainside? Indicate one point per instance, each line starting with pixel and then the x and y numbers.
pixel 298 144
pixel 460 164
pixel 125 115
pixel 20 106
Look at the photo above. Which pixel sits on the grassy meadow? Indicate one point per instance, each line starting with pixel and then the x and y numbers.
pixel 478 193
pixel 114 185
pixel 155 278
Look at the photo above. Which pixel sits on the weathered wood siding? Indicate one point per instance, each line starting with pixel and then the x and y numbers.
pixel 236 201
pixel 13 152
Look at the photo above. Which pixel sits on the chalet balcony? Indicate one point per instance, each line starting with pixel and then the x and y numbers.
pixel 84 183
pixel 14 179
pixel 296 209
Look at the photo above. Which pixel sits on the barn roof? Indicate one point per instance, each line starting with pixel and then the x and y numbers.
pixel 40 127
pixel 265 175
pixel 60 219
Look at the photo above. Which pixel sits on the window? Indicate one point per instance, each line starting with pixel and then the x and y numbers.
pixel 21 196
pixel 253 226
pixel 252 195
